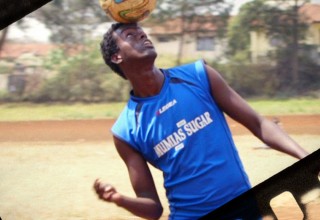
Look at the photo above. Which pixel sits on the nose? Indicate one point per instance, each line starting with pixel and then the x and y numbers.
pixel 142 35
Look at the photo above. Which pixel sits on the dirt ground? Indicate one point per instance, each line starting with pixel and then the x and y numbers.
pixel 47 168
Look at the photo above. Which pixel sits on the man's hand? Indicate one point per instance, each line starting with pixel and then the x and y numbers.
pixel 106 192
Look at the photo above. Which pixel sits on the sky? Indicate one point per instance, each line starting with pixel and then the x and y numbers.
pixel 35 32
pixel 237 5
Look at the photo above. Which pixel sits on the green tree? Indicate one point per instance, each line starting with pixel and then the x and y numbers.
pixel 240 26
pixel 193 13
pixel 281 21
pixel 72 21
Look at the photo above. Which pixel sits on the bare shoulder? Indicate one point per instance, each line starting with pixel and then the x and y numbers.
pixel 213 72
pixel 229 100
pixel 220 89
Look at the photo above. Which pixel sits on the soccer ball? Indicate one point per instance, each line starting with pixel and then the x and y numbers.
pixel 128 11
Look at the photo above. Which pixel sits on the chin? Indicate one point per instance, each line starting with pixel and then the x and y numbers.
pixel 151 54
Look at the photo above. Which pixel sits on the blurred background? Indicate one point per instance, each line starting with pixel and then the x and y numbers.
pixel 52 54
pixel 52 75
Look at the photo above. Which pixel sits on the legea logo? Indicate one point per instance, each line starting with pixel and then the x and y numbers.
pixel 166 107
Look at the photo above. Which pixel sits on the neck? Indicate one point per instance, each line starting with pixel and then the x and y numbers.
pixel 146 82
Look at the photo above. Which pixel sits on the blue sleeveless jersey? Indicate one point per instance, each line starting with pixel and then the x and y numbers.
pixel 182 132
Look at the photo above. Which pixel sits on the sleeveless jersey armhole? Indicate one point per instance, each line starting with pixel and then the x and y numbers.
pixel 202 74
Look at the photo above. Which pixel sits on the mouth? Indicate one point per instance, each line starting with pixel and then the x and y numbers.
pixel 148 43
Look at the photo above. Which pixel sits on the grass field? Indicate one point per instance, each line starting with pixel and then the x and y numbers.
pixel 29 111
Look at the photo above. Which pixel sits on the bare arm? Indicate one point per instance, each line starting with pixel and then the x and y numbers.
pixel 147 203
pixel 238 109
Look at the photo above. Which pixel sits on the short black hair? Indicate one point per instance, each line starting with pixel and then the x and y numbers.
pixel 108 47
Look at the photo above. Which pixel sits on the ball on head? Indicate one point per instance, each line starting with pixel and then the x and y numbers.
pixel 128 11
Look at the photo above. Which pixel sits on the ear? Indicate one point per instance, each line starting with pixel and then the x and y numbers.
pixel 116 58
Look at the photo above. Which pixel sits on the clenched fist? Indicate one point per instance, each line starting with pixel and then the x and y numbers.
pixel 106 192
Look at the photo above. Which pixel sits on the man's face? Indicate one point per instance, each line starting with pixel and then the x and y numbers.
pixel 133 43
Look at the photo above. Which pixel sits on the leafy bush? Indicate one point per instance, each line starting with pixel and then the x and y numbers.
pixel 267 80
pixel 250 80
pixel 81 78
pixel 5 69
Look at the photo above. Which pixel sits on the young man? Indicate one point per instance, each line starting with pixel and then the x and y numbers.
pixel 175 121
